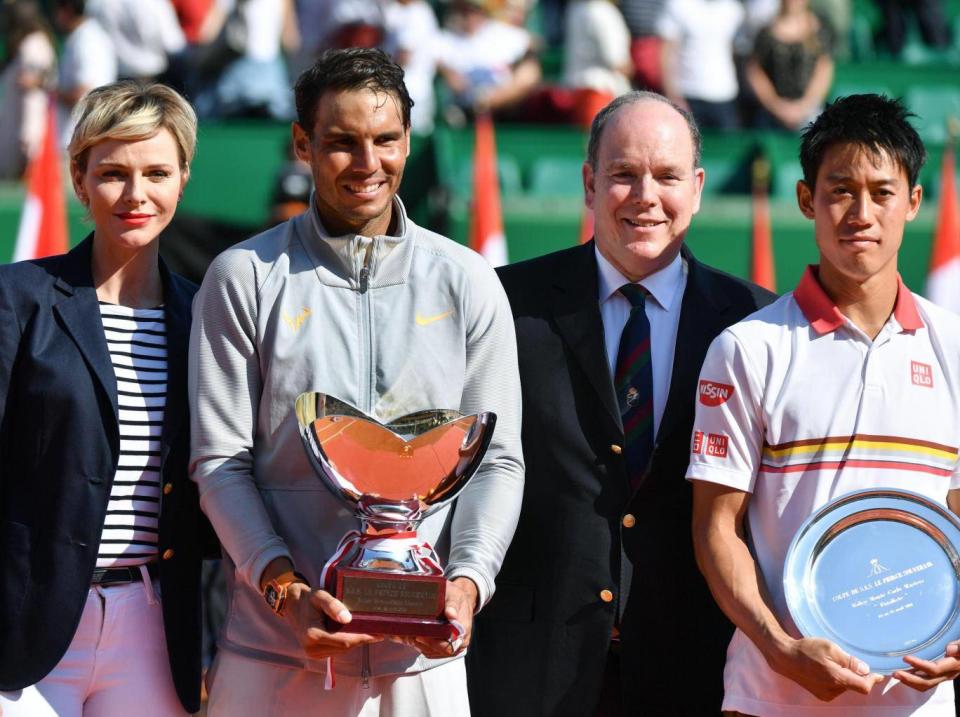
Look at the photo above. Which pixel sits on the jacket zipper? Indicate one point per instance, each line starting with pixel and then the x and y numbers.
pixel 365 668
pixel 368 331
pixel 366 321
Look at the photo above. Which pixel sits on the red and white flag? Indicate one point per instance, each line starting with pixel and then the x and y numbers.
pixel 943 280
pixel 43 221
pixel 762 270
pixel 486 224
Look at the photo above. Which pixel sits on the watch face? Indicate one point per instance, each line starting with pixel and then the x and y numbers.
pixel 271 596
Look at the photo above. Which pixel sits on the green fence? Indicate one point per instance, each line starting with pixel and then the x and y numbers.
pixel 233 173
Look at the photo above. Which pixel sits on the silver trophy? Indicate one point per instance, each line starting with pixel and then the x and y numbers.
pixel 878 572
pixel 392 476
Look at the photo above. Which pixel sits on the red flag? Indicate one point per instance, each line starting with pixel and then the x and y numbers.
pixel 943 280
pixel 486 224
pixel 43 221
pixel 761 251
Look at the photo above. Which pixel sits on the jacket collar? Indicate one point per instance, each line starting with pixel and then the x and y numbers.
pixel 387 256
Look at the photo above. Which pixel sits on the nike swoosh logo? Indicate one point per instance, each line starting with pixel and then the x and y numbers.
pixel 427 320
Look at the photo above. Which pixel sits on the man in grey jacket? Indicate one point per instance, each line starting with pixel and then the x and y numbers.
pixel 351 299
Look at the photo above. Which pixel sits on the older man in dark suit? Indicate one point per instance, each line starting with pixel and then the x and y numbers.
pixel 600 608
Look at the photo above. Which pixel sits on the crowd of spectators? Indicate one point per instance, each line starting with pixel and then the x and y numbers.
pixel 733 63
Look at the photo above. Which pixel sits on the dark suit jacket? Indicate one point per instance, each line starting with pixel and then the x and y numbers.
pixel 59 447
pixel 540 646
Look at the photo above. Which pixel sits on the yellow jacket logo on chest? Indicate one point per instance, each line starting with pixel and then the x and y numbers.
pixel 296 323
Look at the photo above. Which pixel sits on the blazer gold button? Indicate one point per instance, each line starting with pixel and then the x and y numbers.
pixel 629 521
pixel 616 450
pixel 168 488
pixel 168 553
pixel 606 596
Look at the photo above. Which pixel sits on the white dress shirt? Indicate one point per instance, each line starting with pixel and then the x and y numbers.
pixel 665 288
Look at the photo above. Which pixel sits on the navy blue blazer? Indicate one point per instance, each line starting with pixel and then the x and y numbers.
pixel 540 646
pixel 59 447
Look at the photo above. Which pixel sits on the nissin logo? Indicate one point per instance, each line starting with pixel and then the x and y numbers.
pixel 713 393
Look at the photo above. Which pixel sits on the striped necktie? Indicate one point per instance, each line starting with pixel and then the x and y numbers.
pixel 633 381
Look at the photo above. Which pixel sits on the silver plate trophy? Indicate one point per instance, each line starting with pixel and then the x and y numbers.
pixel 877 572
pixel 392 476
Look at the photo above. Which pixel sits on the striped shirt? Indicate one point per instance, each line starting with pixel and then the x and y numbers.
pixel 137 341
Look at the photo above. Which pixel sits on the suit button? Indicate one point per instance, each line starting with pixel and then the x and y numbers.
pixel 606 596
pixel 628 521
pixel 616 450
pixel 168 488
pixel 168 553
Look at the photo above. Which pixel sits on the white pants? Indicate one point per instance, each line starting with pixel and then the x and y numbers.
pixel 241 687
pixel 115 666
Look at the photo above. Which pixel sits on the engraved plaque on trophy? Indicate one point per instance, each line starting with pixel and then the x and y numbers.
pixel 392 476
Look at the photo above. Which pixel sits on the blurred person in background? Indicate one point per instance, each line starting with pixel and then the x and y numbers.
pixel 512 12
pixel 253 84
pixel 697 55
pixel 930 15
pixel 489 65
pixel 292 187
pixel 145 34
pixel 336 24
pixel 790 69
pixel 838 16
pixel 596 60
pixel 98 514
pixel 28 72
pixel 88 59
pixel 646 47
pixel 758 14
pixel 412 34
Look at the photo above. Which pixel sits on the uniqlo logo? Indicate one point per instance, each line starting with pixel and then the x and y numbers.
pixel 921 374
pixel 713 393
pixel 717 445
pixel 697 442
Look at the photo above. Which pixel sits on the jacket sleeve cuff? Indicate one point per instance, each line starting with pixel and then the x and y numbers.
pixel 484 588
pixel 255 567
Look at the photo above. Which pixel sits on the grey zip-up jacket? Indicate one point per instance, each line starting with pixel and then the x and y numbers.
pixel 392 324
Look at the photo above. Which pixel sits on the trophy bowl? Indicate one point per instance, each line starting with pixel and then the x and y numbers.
pixel 391 476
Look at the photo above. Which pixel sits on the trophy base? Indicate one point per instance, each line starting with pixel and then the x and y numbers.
pixel 370 624
pixel 393 603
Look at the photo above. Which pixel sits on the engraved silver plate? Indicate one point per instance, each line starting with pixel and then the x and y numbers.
pixel 878 573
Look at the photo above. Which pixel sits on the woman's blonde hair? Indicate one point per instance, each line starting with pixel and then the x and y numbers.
pixel 132 110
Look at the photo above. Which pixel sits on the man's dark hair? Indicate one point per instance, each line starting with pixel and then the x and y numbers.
pixel 629 98
pixel 875 122
pixel 355 68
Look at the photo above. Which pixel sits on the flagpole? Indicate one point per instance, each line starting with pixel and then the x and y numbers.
pixel 486 221
pixel 43 220
pixel 943 279
pixel 762 270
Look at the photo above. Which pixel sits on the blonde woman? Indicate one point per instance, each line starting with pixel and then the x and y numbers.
pixel 97 516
